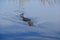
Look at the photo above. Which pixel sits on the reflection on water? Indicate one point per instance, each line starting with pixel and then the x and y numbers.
pixel 48 1
pixel 42 1
pixel 45 14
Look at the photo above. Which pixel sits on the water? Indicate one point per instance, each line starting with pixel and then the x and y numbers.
pixel 46 18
